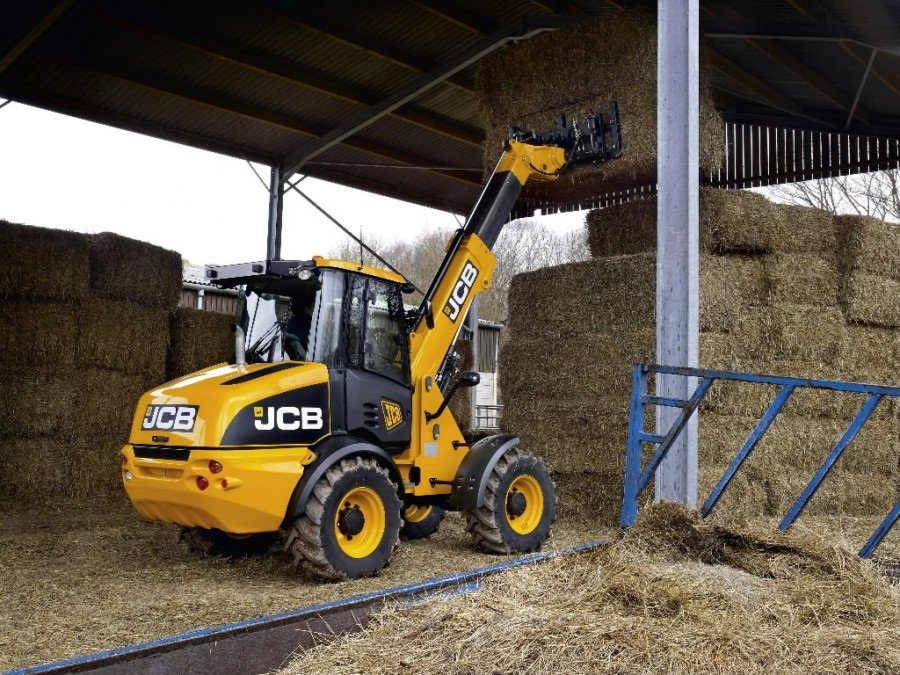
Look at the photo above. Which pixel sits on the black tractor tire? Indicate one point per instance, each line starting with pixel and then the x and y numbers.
pixel 351 523
pixel 420 522
pixel 201 541
pixel 519 506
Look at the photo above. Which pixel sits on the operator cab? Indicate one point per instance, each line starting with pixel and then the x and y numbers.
pixel 347 317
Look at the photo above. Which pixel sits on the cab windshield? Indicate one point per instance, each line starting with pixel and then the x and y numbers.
pixel 294 319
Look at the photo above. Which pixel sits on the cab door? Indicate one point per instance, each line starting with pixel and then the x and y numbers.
pixel 377 380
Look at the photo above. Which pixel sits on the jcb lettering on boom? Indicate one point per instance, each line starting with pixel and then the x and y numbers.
pixel 461 291
pixel 287 418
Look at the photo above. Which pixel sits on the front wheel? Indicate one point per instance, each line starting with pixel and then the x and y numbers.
pixel 519 506
pixel 421 521
pixel 351 523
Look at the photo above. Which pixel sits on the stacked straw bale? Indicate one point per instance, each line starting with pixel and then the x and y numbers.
pixel 199 339
pixel 780 293
pixel 574 71
pixel 461 403
pixel 86 332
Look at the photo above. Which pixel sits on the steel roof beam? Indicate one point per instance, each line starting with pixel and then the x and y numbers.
pixel 520 29
pixel 299 14
pixel 821 84
pixel 36 31
pixel 226 104
pixel 459 15
pixel 293 73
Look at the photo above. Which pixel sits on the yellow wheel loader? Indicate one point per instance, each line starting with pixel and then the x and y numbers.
pixel 330 429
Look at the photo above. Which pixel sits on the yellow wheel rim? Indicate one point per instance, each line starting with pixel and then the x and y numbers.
pixel 524 518
pixel 416 513
pixel 359 522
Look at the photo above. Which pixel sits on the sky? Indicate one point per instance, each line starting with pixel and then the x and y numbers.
pixel 63 172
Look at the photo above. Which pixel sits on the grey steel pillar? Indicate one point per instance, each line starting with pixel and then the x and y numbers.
pixel 276 204
pixel 678 238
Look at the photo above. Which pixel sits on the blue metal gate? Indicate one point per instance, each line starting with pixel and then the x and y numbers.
pixel 638 476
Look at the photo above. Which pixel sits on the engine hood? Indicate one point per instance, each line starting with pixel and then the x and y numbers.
pixel 261 404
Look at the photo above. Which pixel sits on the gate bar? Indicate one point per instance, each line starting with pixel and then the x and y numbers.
pixel 761 427
pixel 668 441
pixel 861 418
pixel 880 533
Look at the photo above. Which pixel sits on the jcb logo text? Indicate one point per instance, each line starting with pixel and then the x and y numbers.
pixel 170 417
pixel 287 418
pixel 461 291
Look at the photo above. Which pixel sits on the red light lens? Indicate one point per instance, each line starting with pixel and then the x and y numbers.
pixel 214 466
pixel 202 483
pixel 224 483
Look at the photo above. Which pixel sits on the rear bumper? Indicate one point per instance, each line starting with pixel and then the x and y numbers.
pixel 250 494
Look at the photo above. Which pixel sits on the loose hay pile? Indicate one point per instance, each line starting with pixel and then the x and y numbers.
pixel 780 293
pixel 577 70
pixel 83 337
pixel 675 595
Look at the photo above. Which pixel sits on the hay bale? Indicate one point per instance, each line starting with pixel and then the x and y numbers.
pixel 801 279
pixel 576 70
pixel 592 496
pixel 37 262
pixel 791 332
pixel 96 467
pixel 871 299
pixel 741 398
pixel 123 336
pixel 595 296
pixel 731 221
pixel 871 353
pixel 728 284
pixel 128 269
pixel 461 404
pixel 37 335
pixel 198 339
pixel 570 436
pixel 36 404
pixel 592 366
pixel 869 245
pixel 798 444
pixel 111 397
pixel 21 481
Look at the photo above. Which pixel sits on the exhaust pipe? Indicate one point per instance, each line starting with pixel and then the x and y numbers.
pixel 240 355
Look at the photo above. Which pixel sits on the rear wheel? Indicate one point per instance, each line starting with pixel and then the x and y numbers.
pixel 421 521
pixel 216 542
pixel 519 506
pixel 351 523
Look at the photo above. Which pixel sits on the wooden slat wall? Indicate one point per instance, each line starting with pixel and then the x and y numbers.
pixel 760 155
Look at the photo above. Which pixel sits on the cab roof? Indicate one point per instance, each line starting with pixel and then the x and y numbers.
pixel 238 274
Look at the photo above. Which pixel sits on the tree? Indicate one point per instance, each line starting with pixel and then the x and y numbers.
pixel 875 194
pixel 524 245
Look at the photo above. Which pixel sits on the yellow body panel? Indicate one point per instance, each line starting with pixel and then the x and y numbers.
pixel 219 403
pixel 351 266
pixel 260 480
pixel 253 498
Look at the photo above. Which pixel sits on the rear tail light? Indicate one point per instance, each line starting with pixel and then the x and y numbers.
pixel 214 466
pixel 202 482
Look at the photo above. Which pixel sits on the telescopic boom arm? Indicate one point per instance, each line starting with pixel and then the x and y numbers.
pixel 527 155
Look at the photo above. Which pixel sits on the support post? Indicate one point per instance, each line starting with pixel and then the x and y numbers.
pixel 678 241
pixel 276 205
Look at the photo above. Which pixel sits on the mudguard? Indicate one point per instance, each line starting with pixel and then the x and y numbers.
pixel 329 453
pixel 473 473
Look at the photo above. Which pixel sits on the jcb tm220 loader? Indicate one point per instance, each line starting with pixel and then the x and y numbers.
pixel 331 425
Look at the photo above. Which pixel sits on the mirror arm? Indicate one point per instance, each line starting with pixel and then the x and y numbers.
pixel 240 349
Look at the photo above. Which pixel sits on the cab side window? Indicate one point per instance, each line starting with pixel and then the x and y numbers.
pixel 385 350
